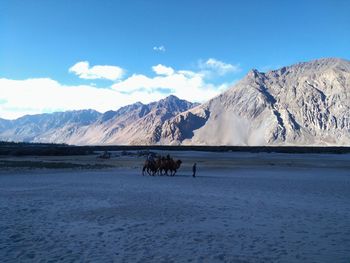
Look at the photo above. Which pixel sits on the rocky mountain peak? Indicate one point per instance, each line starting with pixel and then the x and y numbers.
pixel 253 73
pixel 303 104
pixel 306 103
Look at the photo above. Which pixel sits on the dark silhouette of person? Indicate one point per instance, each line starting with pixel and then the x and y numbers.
pixel 150 158
pixel 194 170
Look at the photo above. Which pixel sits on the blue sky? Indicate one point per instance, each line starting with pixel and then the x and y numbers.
pixel 43 39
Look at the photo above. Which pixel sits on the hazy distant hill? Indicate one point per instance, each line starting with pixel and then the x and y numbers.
pixel 4 124
pixel 303 104
pixel 45 127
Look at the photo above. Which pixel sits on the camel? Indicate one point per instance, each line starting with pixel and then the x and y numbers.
pixel 150 167
pixel 173 166
pixel 161 166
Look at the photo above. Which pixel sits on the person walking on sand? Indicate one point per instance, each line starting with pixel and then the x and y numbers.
pixel 194 170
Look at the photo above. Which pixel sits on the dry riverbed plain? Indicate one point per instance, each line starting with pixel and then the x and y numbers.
pixel 241 207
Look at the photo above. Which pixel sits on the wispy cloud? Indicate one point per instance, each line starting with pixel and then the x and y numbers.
pixel 219 67
pixel 159 48
pixel 83 70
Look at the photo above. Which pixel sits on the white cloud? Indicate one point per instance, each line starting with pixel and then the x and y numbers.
pixel 47 95
pixel 84 71
pixel 163 70
pixel 188 85
pixel 159 48
pixel 33 96
pixel 213 65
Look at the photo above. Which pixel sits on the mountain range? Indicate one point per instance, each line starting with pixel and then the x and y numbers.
pixel 303 104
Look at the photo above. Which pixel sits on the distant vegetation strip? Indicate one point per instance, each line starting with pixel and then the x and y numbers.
pixel 49 165
pixel 41 149
pixel 252 149
pixel 44 149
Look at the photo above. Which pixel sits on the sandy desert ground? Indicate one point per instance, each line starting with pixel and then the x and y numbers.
pixel 242 207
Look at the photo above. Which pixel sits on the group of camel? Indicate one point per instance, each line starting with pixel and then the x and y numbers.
pixel 161 166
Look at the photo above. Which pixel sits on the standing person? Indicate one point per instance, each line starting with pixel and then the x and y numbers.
pixel 150 158
pixel 194 170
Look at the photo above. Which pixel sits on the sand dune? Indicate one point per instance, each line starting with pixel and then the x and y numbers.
pixel 240 208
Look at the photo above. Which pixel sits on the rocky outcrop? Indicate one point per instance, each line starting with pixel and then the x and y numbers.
pixel 303 104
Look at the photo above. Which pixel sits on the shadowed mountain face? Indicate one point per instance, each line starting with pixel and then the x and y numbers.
pixel 133 124
pixel 303 104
